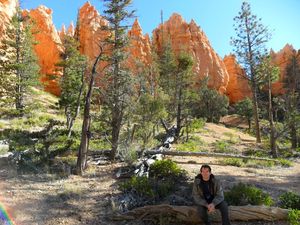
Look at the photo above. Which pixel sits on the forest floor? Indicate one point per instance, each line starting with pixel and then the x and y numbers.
pixel 46 199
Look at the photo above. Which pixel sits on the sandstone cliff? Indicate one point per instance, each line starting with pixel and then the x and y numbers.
pixel 7 10
pixel 190 38
pixel 48 48
pixel 139 48
pixel 238 87
pixel 281 59
pixel 90 33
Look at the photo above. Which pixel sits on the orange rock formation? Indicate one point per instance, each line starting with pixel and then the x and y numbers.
pixel 139 48
pixel 238 87
pixel 281 59
pixel 48 48
pixel 90 33
pixel 7 10
pixel 224 76
pixel 190 38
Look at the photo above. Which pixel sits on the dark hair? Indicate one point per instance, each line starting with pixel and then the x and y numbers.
pixel 205 166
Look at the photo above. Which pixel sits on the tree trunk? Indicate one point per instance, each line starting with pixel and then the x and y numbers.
pixel 189 214
pixel 256 117
pixel 18 88
pixel 293 133
pixel 72 120
pixel 179 112
pixel 271 122
pixel 116 127
pixel 207 154
pixel 249 124
pixel 85 133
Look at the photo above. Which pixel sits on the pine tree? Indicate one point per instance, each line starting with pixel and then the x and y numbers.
pixel 73 65
pixel 117 95
pixel 292 87
pixel 175 79
pixel 270 73
pixel 183 87
pixel 244 108
pixel 249 46
pixel 19 66
pixel 210 103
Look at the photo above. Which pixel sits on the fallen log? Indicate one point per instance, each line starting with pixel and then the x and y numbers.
pixel 206 154
pixel 189 215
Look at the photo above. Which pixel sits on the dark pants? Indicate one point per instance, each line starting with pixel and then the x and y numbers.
pixel 223 209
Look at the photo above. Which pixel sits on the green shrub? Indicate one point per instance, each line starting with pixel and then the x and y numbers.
pixel 222 147
pixel 242 194
pixel 294 217
pixel 285 162
pixel 163 179
pixel 164 188
pixel 233 139
pixel 290 200
pixel 192 145
pixel 259 163
pixel 165 169
pixel 197 124
pixel 141 185
pixel 256 153
pixel 233 162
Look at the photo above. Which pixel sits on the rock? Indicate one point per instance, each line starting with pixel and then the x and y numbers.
pixel 7 10
pixel 48 48
pixel 139 48
pixel 190 38
pixel 90 33
pixel 281 59
pixel 238 87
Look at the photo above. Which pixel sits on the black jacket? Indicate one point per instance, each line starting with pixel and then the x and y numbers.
pixel 216 189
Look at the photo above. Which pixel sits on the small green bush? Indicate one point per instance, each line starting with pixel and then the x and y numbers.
pixel 197 124
pixel 259 163
pixel 163 180
pixel 242 194
pixel 192 145
pixel 141 185
pixel 233 162
pixel 165 169
pixel 256 153
pixel 290 200
pixel 222 147
pixel 285 162
pixel 294 217
pixel 164 188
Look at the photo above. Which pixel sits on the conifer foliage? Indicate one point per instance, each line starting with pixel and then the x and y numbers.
pixel 19 68
pixel 249 46
pixel 73 65
pixel 117 96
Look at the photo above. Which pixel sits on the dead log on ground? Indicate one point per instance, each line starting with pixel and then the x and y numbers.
pixel 206 154
pixel 189 215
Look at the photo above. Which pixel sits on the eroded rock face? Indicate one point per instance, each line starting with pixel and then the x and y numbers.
pixel 190 38
pixel 281 59
pixel 90 34
pixel 7 10
pixel 48 48
pixel 139 48
pixel 238 87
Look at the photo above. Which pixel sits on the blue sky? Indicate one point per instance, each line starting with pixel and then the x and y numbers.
pixel 215 17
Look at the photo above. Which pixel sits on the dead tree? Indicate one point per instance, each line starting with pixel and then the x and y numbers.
pixel 189 214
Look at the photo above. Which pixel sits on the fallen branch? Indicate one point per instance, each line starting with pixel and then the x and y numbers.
pixel 189 215
pixel 206 154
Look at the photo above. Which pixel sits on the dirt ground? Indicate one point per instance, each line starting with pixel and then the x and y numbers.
pixel 46 199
